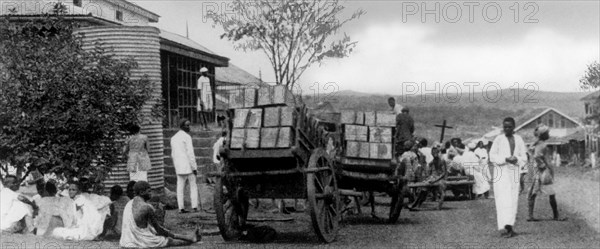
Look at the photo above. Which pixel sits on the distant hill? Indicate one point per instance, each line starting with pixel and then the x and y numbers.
pixel 471 116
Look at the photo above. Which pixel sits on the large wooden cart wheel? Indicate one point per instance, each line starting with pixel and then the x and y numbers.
pixel 231 208
pixel 323 196
pixel 397 201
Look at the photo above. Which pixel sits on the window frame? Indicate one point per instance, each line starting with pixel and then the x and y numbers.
pixel 119 15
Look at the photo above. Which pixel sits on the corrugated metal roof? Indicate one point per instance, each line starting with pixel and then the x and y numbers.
pixel 183 41
pixel 235 75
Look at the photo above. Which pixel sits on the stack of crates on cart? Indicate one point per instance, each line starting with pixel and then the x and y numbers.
pixel 368 135
pixel 262 118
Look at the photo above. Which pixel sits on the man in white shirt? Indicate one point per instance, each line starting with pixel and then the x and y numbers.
pixel 205 98
pixel 396 108
pixel 184 161
pixel 16 211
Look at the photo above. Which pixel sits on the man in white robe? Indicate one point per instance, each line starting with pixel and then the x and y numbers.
pixel 508 154
pixel 16 211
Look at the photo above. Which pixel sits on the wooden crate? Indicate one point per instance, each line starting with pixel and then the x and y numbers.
pixel 380 134
pixel 276 137
pixel 249 97
pixel 278 116
pixel 245 138
pixel 352 117
pixel 357 149
pixel 370 118
pixel 356 133
pixel 242 98
pixel 385 119
pixel 380 150
pixel 247 118
pixel 275 95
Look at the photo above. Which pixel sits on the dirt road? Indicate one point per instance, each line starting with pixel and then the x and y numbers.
pixel 462 224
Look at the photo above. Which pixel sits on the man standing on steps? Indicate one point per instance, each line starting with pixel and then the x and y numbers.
pixel 184 161
pixel 205 100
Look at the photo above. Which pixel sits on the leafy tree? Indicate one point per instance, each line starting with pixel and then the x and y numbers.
pixel 292 33
pixel 591 80
pixel 63 108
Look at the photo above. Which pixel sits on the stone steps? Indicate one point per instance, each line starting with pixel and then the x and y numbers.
pixel 200 160
pixel 205 142
pixel 197 151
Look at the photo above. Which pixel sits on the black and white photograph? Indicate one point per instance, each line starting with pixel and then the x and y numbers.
pixel 299 124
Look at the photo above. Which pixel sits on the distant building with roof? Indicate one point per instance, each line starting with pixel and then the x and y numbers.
pixel 591 104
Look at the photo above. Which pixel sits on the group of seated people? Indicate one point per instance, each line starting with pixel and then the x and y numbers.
pixel 433 165
pixel 77 214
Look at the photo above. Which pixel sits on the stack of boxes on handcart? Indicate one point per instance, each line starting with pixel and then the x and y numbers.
pixel 368 135
pixel 262 118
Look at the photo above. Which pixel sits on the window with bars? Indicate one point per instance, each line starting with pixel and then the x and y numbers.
pixel 119 15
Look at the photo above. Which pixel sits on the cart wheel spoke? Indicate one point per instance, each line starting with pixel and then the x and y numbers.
pixel 322 196
pixel 231 214
pixel 320 184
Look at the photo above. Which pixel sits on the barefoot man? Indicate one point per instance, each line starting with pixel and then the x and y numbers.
pixel 508 153
pixel 141 228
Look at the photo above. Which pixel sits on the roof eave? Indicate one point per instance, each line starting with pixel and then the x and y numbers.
pixel 88 17
pixel 174 47
pixel 152 17
pixel 544 112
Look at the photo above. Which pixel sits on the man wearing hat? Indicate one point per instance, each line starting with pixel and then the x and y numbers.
pixel 205 96
pixel 542 174
pixel 405 127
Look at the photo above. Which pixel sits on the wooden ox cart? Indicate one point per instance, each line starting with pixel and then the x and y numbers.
pixel 273 151
pixel 363 150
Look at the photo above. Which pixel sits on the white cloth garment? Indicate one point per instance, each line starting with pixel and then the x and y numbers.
pixel 88 222
pixel 471 164
pixel 481 153
pixel 181 180
pixel 206 98
pixel 484 160
pixel 102 203
pixel 138 176
pixel 427 152
pixel 133 236
pixel 11 209
pixel 216 147
pixel 182 153
pixel 397 109
pixel 506 178
pixel 49 207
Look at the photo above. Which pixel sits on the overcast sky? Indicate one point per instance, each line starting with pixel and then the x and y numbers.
pixel 550 44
